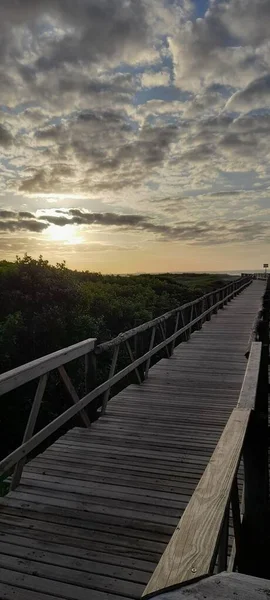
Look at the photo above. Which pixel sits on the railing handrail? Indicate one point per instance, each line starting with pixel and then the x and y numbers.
pixel 153 322
pixel 31 370
pixel 56 360
pixel 192 550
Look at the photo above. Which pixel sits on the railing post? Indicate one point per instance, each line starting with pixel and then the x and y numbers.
pixel 139 351
pixel 73 394
pixel 90 372
pixel 216 296
pixel 106 395
pixel 176 326
pixel 236 518
pixel 148 362
pixel 90 380
pixel 209 303
pixel 223 543
pixel 29 430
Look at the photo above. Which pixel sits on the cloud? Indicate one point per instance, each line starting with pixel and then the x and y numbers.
pixel 6 214
pixel 5 137
pixel 226 46
pixel 88 110
pixel 152 79
pixel 255 95
pixel 22 225
pixel 193 232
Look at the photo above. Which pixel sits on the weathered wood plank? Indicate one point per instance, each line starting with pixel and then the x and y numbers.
pixel 16 377
pixel 249 388
pixel 193 544
pixel 49 586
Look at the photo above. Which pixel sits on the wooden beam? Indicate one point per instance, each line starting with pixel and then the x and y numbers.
pixel 163 335
pixel 29 430
pixel 132 358
pixel 111 373
pixel 73 394
pixel 193 547
pixel 249 387
pixel 152 339
pixel 236 516
pixel 16 377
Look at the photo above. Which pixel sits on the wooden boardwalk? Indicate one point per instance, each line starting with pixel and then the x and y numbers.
pixel 94 513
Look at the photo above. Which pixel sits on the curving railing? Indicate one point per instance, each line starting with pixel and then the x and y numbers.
pixel 160 334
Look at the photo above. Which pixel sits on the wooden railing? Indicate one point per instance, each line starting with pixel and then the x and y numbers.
pixel 261 275
pixel 171 327
pixel 220 530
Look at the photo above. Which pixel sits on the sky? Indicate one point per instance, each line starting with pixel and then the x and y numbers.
pixel 135 134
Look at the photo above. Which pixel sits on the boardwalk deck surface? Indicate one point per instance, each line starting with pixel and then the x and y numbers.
pixel 95 511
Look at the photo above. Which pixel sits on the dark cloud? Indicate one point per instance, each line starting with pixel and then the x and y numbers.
pixel 6 214
pixel 198 154
pixel 255 123
pixel 49 133
pixel 255 95
pixel 5 137
pixel 79 217
pixel 107 153
pixel 97 28
pixel 26 225
pixel 200 232
pixel 25 215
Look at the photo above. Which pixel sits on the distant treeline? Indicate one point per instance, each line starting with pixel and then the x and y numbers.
pixel 44 308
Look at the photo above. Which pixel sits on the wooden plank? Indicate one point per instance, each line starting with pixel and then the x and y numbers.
pixel 114 509
pixel 74 561
pixel 49 586
pixel 100 561
pixel 193 544
pixel 73 574
pixel 85 545
pixel 16 377
pixel 121 543
pixel 56 513
pixel 31 423
pixel 76 521
pixel 132 358
pixel 73 394
pixel 249 388
pixel 9 592
pixel 111 373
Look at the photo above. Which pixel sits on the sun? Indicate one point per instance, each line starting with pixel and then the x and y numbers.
pixel 67 234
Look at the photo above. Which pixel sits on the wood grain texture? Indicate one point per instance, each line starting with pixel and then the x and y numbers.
pixel 249 388
pixel 103 503
pixel 192 546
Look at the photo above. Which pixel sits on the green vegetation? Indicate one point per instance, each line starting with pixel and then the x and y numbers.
pixel 45 308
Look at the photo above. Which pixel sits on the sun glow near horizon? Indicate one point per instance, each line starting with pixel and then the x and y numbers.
pixel 68 234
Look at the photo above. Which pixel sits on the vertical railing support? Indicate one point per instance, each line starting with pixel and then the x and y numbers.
pixel 29 430
pixel 152 339
pixel 223 544
pixel 176 326
pixel 111 374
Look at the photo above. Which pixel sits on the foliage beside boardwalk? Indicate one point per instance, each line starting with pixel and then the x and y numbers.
pixel 44 308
